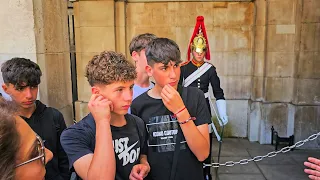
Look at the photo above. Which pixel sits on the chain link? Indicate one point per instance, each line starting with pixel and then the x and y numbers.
pixel 269 155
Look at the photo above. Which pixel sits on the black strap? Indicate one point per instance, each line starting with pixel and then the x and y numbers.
pixel 178 140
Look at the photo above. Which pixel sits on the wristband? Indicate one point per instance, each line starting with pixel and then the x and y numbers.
pixel 189 119
pixel 175 115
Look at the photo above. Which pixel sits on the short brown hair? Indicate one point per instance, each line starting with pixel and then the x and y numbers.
pixel 163 50
pixel 140 42
pixel 9 140
pixel 109 67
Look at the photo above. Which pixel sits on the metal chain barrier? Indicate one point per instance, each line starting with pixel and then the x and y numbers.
pixel 269 155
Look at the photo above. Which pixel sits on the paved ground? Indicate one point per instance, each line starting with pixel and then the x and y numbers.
pixel 288 166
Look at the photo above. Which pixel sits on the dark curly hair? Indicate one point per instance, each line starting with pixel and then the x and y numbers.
pixel 21 72
pixel 9 140
pixel 109 67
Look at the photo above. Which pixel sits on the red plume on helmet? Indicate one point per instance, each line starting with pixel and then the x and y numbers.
pixel 199 25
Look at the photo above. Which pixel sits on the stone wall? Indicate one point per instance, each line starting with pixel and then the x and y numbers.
pixel 17 37
pixel 94 33
pixel 38 30
pixel 266 54
pixel 286 86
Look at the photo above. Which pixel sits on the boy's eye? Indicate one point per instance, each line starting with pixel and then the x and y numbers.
pixel 119 90
pixel 19 88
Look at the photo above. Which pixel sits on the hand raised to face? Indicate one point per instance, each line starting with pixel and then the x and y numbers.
pixel 171 99
pixel 100 108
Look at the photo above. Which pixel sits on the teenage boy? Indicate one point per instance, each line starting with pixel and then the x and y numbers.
pixel 89 144
pixel 21 80
pixel 178 137
pixel 137 51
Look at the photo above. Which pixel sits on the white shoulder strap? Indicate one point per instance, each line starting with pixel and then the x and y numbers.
pixel 196 74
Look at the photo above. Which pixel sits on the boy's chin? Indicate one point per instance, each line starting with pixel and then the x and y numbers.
pixel 120 112
pixel 27 106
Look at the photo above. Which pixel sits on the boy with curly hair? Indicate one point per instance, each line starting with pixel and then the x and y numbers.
pixel 106 144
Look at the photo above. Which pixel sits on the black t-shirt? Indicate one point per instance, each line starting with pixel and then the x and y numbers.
pixel 162 130
pixel 79 140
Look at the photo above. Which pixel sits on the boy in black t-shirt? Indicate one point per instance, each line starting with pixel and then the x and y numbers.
pixel 168 115
pixel 21 79
pixel 106 144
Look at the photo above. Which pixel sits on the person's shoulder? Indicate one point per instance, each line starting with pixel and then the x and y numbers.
pixel 87 120
pixel 136 118
pixel 140 99
pixel 83 128
pixel 57 116
pixel 43 109
pixel 209 63
pixel 56 112
pixel 87 123
pixel 185 63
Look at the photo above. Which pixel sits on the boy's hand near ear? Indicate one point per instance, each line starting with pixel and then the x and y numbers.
pixel 172 99
pixel 100 108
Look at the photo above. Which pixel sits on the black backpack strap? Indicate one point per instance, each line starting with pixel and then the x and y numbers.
pixel 183 93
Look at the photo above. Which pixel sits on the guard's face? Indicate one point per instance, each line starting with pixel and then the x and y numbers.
pixel 165 74
pixel 198 56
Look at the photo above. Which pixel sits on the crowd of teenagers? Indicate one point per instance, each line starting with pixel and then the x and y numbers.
pixel 136 129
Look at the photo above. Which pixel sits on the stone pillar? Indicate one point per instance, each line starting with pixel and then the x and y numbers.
pixel 274 69
pixel 94 33
pixel 120 24
pixel 286 73
pixel 38 30
pixel 16 33
pixel 306 95
pixel 258 74
pixel 53 55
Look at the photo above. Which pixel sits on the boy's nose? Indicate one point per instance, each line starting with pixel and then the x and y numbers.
pixel 128 96
pixel 172 74
pixel 49 155
pixel 27 92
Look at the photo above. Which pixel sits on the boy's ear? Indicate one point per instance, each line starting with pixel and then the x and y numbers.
pixel 5 88
pixel 149 70
pixel 135 55
pixel 95 90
